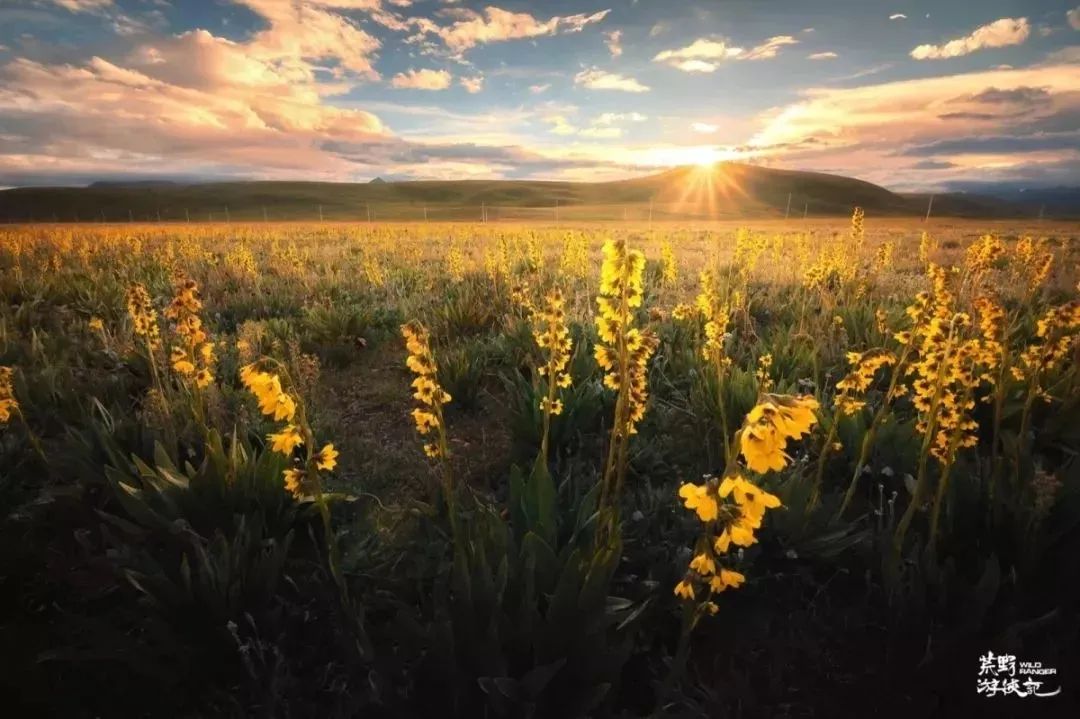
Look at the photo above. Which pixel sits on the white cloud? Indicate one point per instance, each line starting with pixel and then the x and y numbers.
pixel 424 79
pixel 597 79
pixel 704 128
pixel 768 49
pixel 877 131
pixel 1073 16
pixel 695 66
pixel 610 118
pixel 602 133
pixel 540 89
pixel 498 25
pixel 82 5
pixel 473 84
pixel 613 40
pixel 898 16
pixel 823 56
pixel 561 126
pixel 1000 33
pixel 703 49
pixel 298 33
pixel 603 127
pixel 705 55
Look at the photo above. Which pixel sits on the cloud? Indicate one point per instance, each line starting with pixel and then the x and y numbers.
pixel 1000 33
pixel 498 25
pixel 101 115
pixel 823 56
pixel 933 165
pixel 869 131
pixel 613 40
pixel 997 144
pixel 602 133
pixel 82 5
pixel 705 55
pixel 703 49
pixel 424 79
pixel 768 49
pixel 473 84
pixel 561 126
pixel 695 66
pixel 1073 17
pixel 540 89
pixel 299 32
pixel 610 118
pixel 603 127
pixel 596 79
pixel 704 128
pixel 898 16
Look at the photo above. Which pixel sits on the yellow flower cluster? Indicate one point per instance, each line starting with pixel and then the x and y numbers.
pixel 455 262
pixel 683 312
pixel 832 269
pixel 521 297
pixel 992 344
pixel 278 404
pixel 552 335
pixel 770 424
pixel 427 391
pixel 623 351
pixel 927 245
pixel 864 366
pixel 749 247
pixel 1033 263
pixel 983 254
pixel 884 256
pixel 761 374
pixel 946 369
pixel 143 315
pixel 574 261
pixel 1056 333
pixel 708 298
pixel 858 229
pixel 373 271
pixel 8 403
pixel 669 273
pixel 194 358
pixel 273 400
pixel 731 509
pixel 240 262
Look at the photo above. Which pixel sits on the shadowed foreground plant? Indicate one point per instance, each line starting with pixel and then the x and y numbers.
pixel 623 353
pixel 731 508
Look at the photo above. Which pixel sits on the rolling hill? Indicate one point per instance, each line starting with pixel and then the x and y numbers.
pixel 725 190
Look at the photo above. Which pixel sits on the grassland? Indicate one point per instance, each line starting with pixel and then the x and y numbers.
pixel 727 190
pixel 781 468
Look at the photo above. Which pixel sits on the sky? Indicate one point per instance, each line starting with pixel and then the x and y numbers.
pixel 907 94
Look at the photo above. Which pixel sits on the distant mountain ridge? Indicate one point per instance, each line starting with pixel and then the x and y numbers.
pixel 724 190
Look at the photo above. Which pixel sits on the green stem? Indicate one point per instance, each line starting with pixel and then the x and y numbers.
pixel 819 475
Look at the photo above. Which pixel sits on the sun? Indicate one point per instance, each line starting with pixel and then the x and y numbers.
pixel 706 156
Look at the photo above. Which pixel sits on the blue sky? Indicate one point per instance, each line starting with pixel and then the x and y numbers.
pixel 906 94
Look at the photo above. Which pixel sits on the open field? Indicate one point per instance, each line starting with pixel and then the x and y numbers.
pixel 512 469
pixel 722 191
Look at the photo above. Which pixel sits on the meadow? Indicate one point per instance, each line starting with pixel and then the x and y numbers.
pixel 753 468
